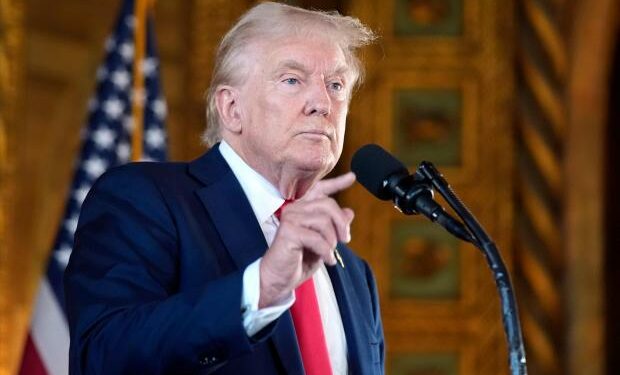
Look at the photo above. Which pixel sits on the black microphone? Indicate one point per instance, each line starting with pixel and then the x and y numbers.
pixel 388 179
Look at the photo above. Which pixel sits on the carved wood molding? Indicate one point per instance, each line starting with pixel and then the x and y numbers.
pixel 541 129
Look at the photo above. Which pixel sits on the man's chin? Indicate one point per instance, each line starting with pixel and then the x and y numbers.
pixel 318 164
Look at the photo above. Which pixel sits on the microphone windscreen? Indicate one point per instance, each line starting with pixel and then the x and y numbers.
pixel 372 165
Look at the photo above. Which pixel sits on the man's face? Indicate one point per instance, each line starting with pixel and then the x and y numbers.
pixel 294 105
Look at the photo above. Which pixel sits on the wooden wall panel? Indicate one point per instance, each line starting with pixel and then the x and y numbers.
pixel 594 33
pixel 11 95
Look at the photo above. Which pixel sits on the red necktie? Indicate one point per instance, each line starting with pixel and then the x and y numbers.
pixel 308 325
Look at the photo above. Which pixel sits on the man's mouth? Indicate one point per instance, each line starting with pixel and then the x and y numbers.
pixel 317 134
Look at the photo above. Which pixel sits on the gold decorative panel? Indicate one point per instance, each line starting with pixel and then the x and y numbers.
pixel 434 115
pixel 428 17
pixel 429 124
pixel 439 88
pixel 424 262
pixel 428 27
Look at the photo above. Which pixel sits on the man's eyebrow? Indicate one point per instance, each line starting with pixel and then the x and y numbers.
pixel 340 70
pixel 291 64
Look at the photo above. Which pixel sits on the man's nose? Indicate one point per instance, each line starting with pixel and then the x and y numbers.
pixel 318 101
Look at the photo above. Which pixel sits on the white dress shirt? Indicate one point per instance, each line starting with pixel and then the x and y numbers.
pixel 265 199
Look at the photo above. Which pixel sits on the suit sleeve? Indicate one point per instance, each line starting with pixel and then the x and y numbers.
pixel 124 314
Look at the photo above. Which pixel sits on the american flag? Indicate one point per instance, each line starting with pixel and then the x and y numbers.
pixel 106 142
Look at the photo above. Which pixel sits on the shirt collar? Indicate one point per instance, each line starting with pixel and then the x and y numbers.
pixel 264 198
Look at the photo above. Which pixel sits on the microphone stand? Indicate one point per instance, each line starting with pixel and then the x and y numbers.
pixel 510 316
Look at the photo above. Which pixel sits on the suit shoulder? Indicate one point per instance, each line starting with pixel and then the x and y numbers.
pixel 134 188
pixel 141 174
pixel 136 181
pixel 150 170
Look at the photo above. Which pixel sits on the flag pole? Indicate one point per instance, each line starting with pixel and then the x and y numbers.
pixel 138 99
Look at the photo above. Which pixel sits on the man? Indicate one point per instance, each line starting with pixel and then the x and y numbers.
pixel 234 263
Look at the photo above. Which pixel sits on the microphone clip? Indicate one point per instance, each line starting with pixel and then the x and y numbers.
pixel 410 192
pixel 413 194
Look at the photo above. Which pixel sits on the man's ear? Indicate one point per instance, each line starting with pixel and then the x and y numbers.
pixel 227 102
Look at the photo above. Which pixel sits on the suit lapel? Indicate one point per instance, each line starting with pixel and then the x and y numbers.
pixel 228 208
pixel 356 327
pixel 234 220
pixel 242 236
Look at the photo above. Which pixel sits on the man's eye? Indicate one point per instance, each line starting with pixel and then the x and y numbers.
pixel 291 81
pixel 336 86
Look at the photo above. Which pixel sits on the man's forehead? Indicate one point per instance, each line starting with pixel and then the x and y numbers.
pixel 333 67
pixel 270 55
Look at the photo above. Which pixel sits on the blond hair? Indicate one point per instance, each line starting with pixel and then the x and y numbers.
pixel 272 20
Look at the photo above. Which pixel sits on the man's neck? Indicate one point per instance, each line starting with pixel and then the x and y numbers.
pixel 292 183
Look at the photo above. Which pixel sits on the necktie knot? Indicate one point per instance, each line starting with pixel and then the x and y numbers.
pixel 278 212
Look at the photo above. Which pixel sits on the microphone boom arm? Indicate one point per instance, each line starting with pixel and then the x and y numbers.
pixel 510 316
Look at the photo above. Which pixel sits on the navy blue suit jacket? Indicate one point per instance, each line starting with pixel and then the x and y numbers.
pixel 155 279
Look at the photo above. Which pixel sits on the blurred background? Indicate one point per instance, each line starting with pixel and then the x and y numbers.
pixel 517 102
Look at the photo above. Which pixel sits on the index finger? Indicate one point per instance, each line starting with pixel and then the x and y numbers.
pixel 330 186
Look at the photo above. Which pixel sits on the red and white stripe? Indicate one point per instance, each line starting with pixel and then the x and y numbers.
pixel 47 345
